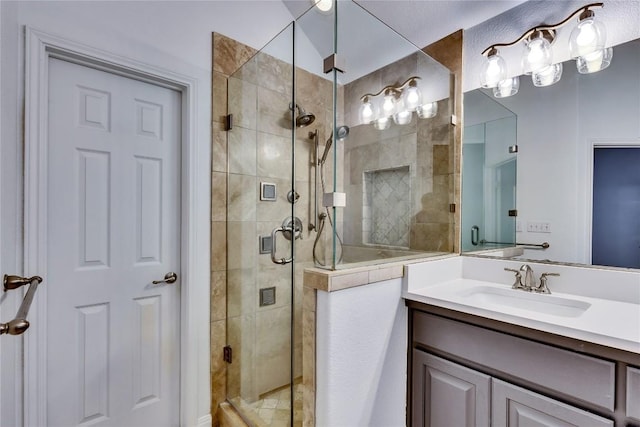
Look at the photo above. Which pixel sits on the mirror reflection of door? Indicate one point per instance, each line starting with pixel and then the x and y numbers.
pixel 616 207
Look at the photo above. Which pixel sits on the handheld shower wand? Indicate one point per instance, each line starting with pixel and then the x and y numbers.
pixel 343 131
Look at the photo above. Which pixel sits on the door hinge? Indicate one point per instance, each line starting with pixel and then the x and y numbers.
pixel 452 208
pixel 227 354
pixel 513 212
pixel 513 149
pixel 454 120
pixel 228 122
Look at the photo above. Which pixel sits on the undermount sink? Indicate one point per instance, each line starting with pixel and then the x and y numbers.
pixel 540 303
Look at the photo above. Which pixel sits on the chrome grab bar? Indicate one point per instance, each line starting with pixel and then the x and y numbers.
pixel 275 231
pixel 20 324
pixel 475 235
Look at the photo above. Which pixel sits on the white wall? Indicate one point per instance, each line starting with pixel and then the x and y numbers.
pixel 175 36
pixel 361 356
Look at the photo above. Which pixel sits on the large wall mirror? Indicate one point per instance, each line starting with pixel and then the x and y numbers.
pixel 576 185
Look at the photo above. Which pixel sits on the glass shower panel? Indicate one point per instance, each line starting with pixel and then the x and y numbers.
pixel 261 233
pixel 394 166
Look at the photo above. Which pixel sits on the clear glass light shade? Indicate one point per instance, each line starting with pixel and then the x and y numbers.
pixel 367 112
pixel 537 55
pixel 388 106
pixel 412 98
pixel 587 37
pixel 547 76
pixel 382 123
pixel 402 116
pixel 594 61
pixel 427 111
pixel 507 87
pixel 493 71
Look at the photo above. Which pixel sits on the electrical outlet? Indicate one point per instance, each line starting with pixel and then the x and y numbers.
pixel 538 227
pixel 518 226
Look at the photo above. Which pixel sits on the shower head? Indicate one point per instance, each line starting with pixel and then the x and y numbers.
pixel 303 119
pixel 342 133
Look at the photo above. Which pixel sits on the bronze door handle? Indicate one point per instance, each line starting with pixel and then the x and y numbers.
pixel 168 278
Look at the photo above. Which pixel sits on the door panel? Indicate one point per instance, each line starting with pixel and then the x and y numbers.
pixel 616 207
pixel 113 228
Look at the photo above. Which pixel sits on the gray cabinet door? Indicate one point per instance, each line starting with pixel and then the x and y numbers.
pixel 445 394
pixel 513 406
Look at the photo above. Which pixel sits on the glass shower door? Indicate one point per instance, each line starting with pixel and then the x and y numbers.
pixel 261 232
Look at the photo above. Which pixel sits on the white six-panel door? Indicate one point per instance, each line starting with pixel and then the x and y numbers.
pixel 113 221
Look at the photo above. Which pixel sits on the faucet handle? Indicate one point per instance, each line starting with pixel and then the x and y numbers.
pixel 518 283
pixel 542 287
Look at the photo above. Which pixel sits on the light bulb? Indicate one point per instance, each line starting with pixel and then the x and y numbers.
pixel 324 5
pixel 537 55
pixel 412 97
pixel 594 61
pixel 588 36
pixel 493 70
pixel 366 112
pixel 382 123
pixel 428 110
pixel 547 76
pixel 388 105
pixel 402 116
pixel 507 87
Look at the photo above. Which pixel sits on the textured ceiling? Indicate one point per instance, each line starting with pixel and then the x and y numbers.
pixel 423 22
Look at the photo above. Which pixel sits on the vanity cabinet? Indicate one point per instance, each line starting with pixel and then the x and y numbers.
pixel 471 371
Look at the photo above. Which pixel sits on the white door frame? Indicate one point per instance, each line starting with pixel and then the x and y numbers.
pixel 194 310
pixel 588 204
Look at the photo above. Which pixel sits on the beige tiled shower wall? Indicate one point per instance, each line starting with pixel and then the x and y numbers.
pixel 425 146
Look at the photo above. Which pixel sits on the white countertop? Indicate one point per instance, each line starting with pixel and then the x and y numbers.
pixel 608 322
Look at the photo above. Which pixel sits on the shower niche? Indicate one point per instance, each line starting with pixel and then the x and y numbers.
pixel 386 207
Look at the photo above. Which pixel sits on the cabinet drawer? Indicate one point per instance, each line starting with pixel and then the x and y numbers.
pixel 559 371
pixel 633 393
pixel 515 406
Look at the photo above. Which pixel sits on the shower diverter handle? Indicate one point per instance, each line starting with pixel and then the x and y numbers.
pixel 274 233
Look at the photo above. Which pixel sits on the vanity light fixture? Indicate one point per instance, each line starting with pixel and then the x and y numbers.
pixel 586 46
pixel 397 103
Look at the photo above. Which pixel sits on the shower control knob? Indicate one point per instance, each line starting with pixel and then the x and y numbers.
pixel 293 196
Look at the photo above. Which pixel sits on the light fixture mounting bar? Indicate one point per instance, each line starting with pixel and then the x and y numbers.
pixel 545 29
pixel 392 88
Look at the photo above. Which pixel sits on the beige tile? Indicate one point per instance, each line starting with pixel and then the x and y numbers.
pixel 279 277
pixel 275 74
pixel 274 115
pixel 386 273
pixel 309 299
pixel 219 97
pixel 274 156
pixel 242 198
pixel 272 348
pixel 348 280
pixel 229 55
pixel 218 246
pixel 218 196
pixel 243 103
pixel 241 292
pixel 218 148
pixel 242 245
pixel 218 295
pixel 278 210
pixel 218 365
pixel 242 151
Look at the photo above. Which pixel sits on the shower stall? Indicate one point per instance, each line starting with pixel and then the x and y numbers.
pixel 340 153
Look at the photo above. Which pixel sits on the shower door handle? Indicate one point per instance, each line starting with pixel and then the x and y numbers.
pixel 274 235
pixel 20 324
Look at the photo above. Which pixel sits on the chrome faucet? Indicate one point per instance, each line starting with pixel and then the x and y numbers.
pixel 529 278
pixel 542 287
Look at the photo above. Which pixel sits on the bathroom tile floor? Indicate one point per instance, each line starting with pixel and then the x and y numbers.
pixel 272 409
